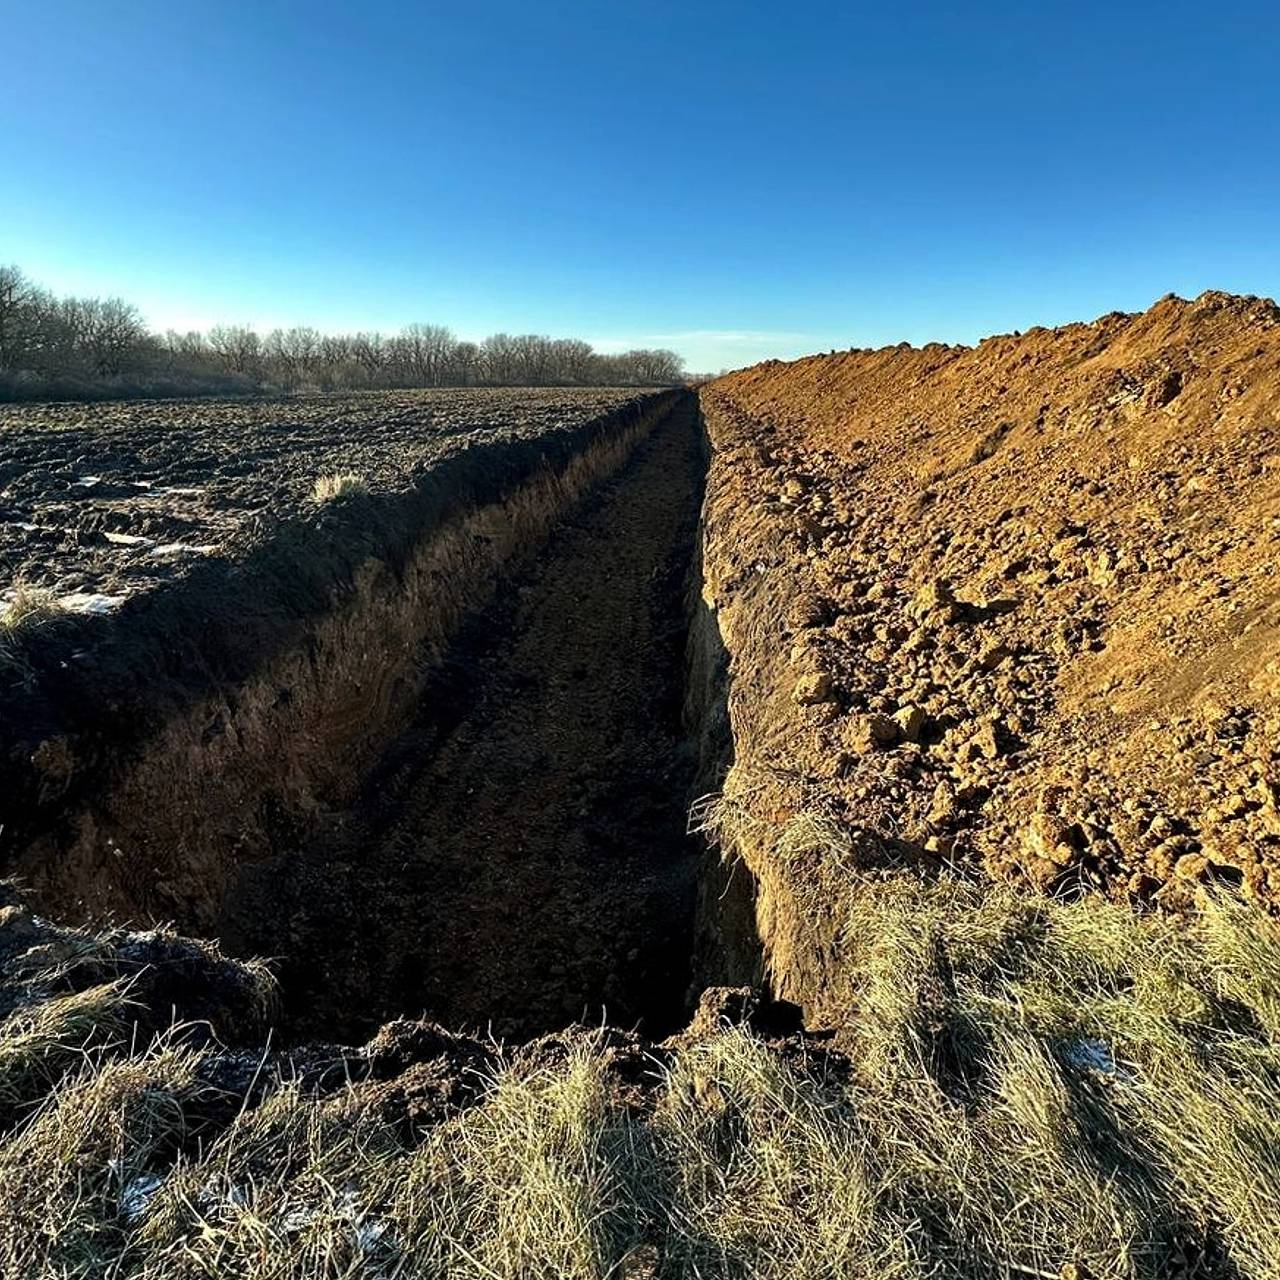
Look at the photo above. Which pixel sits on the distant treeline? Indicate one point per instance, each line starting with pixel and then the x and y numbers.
pixel 55 348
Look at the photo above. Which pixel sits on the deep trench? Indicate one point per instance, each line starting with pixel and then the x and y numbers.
pixel 519 857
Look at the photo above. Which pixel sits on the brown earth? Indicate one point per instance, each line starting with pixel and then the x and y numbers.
pixel 1012 606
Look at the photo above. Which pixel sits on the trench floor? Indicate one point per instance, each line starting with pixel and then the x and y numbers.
pixel 520 859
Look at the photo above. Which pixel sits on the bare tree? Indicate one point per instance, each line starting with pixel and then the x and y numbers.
pixel 238 347
pixel 464 364
pixel 369 351
pixel 291 355
pixel 571 361
pixel 303 346
pixel 19 300
pixel 498 357
pixel 189 345
pixel 532 358
pixel 425 351
pixel 85 346
pixel 112 332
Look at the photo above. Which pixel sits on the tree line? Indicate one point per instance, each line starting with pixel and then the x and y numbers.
pixel 53 347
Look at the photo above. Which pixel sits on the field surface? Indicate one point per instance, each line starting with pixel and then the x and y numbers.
pixel 99 501
pixel 217 614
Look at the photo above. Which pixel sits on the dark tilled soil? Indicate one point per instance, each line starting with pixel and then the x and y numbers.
pixel 527 863
pixel 100 501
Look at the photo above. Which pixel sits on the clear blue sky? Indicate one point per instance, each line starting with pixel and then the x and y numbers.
pixel 736 180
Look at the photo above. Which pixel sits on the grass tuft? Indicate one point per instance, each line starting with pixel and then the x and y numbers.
pixel 541 1182
pixel 29 606
pixel 27 609
pixel 344 484
pixel 66 1178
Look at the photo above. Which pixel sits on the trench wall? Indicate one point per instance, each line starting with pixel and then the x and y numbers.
pixel 759 920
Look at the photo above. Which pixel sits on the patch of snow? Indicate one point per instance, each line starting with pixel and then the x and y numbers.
pixel 346 1208
pixel 369 1235
pixel 91 602
pixel 219 1193
pixel 129 539
pixel 1091 1055
pixel 184 549
pixel 299 1217
pixel 178 491
pixel 137 1194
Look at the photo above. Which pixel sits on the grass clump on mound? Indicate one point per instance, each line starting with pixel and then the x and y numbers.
pixel 1067 1085
pixel 1024 1088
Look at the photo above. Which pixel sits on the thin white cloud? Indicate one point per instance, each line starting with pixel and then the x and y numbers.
pixel 709 337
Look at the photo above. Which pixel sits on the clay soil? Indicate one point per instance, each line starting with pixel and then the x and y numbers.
pixel 519 860
pixel 1012 607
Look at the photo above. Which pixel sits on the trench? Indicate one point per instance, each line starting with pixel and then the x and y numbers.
pixel 517 858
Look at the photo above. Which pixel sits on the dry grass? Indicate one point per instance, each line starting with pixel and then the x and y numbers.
pixel 67 1174
pixel 29 606
pixel 42 1044
pixel 344 484
pixel 542 1182
pixel 770 1172
pixel 27 609
pixel 1037 1089
pixel 1031 1089
pixel 294 1188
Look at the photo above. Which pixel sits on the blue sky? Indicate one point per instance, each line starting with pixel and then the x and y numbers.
pixel 735 180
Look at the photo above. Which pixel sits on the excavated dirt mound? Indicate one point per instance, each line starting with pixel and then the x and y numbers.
pixel 1012 606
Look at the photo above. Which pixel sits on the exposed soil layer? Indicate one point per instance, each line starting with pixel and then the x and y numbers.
pixel 1011 607
pixel 520 858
